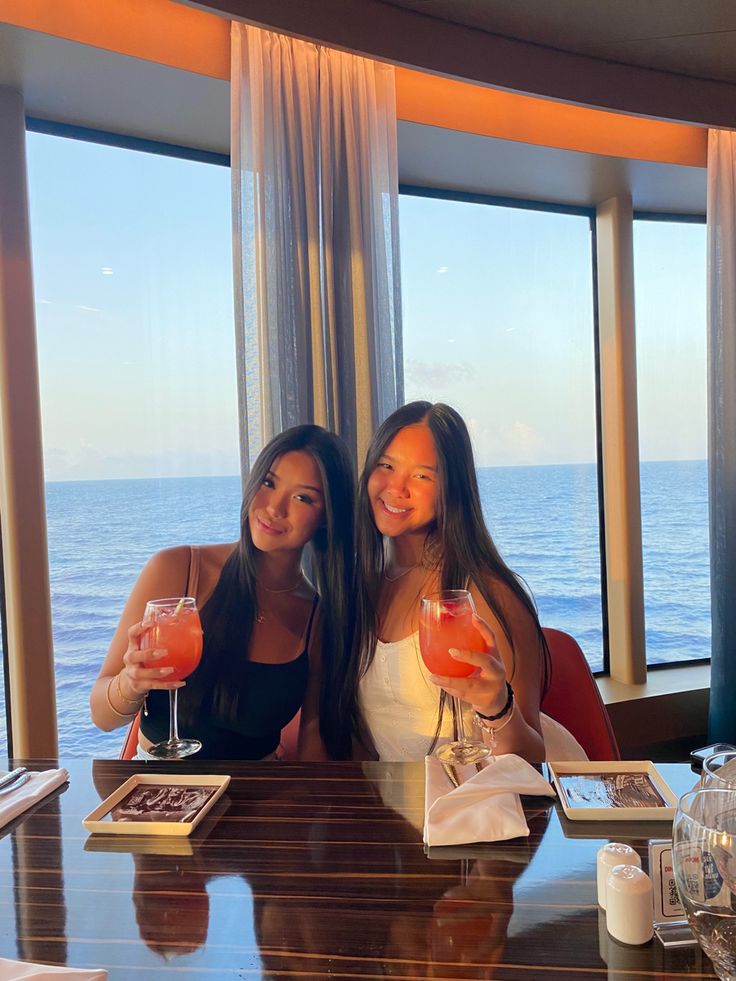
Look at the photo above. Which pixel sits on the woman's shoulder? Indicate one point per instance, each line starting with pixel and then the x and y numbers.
pixel 172 564
pixel 508 599
pixel 215 556
pixel 168 560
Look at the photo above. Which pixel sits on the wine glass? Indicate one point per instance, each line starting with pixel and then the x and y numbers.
pixel 173 625
pixel 445 621
pixel 704 859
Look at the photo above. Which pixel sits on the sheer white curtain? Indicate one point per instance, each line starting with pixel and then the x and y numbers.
pixel 315 211
pixel 722 429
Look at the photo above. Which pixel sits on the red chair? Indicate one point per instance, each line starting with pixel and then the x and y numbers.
pixel 130 746
pixel 289 736
pixel 573 698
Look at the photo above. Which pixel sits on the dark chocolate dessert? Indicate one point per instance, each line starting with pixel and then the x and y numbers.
pixel 162 802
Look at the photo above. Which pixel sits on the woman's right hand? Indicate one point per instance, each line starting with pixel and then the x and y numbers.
pixel 139 673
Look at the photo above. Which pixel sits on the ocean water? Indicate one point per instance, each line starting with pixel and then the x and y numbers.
pixel 544 521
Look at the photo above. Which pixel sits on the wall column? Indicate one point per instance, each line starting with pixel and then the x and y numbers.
pixel 619 425
pixel 22 502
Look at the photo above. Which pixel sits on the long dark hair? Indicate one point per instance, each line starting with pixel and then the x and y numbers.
pixel 229 614
pixel 459 544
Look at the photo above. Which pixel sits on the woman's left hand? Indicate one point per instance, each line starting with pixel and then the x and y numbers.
pixel 485 689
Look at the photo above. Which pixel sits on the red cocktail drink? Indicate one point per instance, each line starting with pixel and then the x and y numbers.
pixel 173 625
pixel 445 621
pixel 449 625
pixel 180 635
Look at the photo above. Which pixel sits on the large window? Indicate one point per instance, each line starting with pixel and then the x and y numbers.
pixel 133 278
pixel 670 283
pixel 498 322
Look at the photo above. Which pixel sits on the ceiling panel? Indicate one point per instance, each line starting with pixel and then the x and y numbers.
pixel 697 39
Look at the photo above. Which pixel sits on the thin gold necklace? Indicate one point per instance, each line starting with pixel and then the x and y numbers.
pixel 260 617
pixel 287 589
pixel 389 578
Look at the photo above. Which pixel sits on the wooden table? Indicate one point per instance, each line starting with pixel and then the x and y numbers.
pixel 315 871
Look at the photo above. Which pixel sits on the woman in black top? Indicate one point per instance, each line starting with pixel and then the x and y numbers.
pixel 273 639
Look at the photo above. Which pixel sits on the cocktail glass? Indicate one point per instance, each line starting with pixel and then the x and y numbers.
pixel 173 625
pixel 704 857
pixel 445 621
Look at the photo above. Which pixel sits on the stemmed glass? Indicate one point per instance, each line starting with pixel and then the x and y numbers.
pixel 173 625
pixel 704 859
pixel 445 621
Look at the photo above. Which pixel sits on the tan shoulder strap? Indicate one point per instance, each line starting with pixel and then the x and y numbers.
pixel 193 577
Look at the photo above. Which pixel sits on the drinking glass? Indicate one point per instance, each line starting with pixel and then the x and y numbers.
pixel 719 772
pixel 446 620
pixel 173 625
pixel 704 857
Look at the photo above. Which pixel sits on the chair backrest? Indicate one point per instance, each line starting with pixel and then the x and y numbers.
pixel 573 698
pixel 130 746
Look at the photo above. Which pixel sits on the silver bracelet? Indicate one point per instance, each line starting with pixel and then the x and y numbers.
pixel 494 730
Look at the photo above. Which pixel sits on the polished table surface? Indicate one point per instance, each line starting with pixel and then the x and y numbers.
pixel 315 871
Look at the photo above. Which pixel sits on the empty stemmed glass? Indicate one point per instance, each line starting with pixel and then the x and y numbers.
pixel 173 625
pixel 445 621
pixel 704 859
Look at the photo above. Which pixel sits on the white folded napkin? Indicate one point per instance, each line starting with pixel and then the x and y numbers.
pixel 486 805
pixel 14 802
pixel 13 970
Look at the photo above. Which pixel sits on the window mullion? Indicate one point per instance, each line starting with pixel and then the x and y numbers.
pixel 620 441
pixel 22 508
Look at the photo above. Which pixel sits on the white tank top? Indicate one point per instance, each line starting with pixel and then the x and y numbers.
pixel 400 705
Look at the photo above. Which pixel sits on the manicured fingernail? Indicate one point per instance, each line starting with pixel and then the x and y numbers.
pixel 163 671
pixel 156 655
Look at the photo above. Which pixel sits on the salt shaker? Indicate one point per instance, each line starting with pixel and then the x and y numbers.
pixel 610 855
pixel 629 900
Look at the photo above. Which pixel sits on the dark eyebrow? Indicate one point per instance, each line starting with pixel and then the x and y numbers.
pixel 419 466
pixel 317 490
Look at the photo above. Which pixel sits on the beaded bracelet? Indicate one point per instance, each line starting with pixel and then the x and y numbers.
pixel 504 710
pixel 120 715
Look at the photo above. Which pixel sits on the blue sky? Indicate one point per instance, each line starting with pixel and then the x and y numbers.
pixel 132 268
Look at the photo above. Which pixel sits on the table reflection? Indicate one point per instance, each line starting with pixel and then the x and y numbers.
pixel 409 921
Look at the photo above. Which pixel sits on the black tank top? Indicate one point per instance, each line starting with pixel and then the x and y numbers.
pixel 270 695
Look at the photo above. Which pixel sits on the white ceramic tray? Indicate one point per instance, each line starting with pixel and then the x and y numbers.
pixel 180 813
pixel 625 790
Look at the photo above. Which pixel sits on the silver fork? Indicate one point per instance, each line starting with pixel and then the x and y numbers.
pixel 13 780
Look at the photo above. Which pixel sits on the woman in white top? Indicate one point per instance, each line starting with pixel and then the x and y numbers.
pixel 420 529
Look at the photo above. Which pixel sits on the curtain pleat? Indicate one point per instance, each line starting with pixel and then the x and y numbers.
pixel 721 216
pixel 315 222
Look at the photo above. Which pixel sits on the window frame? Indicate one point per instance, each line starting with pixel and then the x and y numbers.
pixel 528 204
pixel 689 218
pixel 90 135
